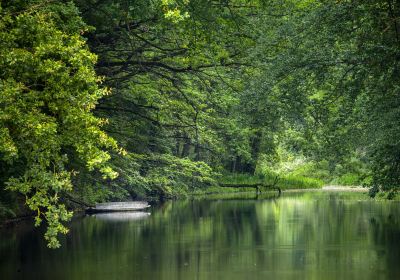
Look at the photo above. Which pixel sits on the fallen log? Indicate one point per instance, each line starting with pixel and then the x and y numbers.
pixel 257 186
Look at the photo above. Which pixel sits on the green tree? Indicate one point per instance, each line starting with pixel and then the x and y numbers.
pixel 48 89
pixel 175 83
pixel 339 62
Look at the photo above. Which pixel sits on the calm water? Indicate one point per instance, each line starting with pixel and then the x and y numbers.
pixel 302 235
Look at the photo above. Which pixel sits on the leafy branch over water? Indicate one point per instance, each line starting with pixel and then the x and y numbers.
pixel 190 90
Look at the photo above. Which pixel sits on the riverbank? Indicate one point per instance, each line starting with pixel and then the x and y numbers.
pixel 284 182
pixel 345 188
pixel 217 191
pixel 233 190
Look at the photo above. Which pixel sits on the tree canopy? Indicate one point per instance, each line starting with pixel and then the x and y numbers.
pixel 111 100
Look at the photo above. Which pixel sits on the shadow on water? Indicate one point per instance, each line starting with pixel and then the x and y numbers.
pixel 302 235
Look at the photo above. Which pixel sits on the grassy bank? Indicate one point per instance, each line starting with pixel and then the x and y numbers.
pixel 281 181
pixel 220 190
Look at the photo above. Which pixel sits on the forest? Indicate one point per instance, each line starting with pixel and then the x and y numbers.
pixel 114 100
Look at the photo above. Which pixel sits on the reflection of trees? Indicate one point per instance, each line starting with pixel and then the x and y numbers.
pixel 314 234
pixel 385 228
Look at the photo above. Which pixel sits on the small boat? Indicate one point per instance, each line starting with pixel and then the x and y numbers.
pixel 118 207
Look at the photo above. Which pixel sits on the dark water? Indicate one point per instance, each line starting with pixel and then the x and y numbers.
pixel 306 235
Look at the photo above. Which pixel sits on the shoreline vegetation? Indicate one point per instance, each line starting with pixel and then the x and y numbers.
pixel 163 98
pixel 223 192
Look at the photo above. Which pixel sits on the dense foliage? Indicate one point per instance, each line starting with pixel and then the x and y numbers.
pixel 192 90
pixel 48 88
pixel 340 63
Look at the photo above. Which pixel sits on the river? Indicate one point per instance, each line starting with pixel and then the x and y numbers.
pixel 300 235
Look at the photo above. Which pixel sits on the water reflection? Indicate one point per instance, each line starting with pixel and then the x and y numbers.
pixel 121 216
pixel 310 235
